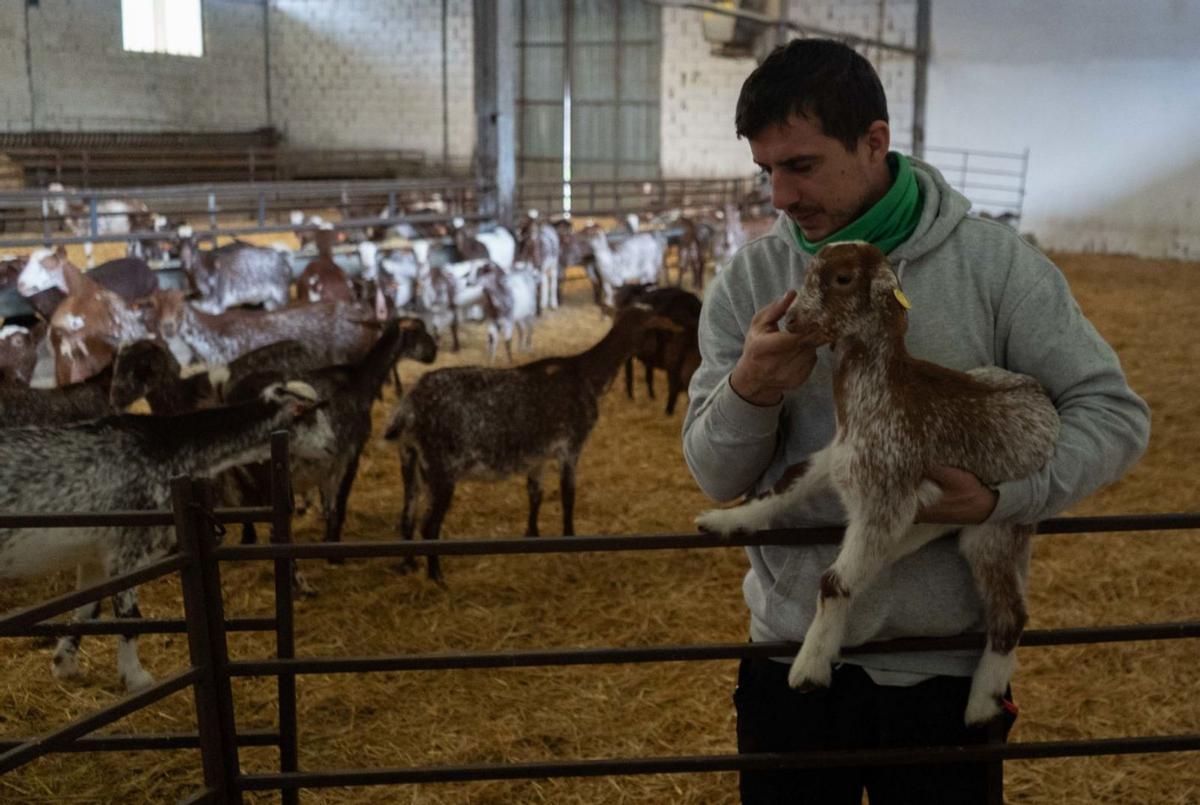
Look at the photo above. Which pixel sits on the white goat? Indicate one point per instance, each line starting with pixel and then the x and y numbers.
pixel 896 418
pixel 449 292
pixel 510 301
pixel 637 259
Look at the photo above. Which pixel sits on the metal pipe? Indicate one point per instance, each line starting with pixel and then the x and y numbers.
pixel 603 767
pixel 768 21
pixel 536 658
pixel 651 542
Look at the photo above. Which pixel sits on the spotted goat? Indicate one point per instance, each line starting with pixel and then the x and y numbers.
pixel 477 423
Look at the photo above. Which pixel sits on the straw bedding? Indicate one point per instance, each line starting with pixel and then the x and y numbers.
pixel 632 480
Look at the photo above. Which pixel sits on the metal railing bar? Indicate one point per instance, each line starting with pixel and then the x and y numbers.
pixel 526 658
pixel 719 763
pixel 260 514
pixel 51 742
pixel 167 741
pixel 942 149
pixel 282 188
pixel 37 613
pixel 131 626
pixel 86 519
pixel 645 542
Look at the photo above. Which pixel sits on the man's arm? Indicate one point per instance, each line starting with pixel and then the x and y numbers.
pixel 734 399
pixel 1105 425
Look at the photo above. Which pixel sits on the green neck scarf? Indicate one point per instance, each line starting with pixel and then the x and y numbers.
pixel 887 224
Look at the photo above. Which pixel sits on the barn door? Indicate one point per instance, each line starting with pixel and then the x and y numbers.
pixel 588 95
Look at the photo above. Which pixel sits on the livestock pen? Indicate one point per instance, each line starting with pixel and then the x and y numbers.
pixel 504 611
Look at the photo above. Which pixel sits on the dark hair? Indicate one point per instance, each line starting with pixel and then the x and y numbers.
pixel 822 79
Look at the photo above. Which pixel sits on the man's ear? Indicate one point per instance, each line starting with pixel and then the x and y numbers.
pixel 878 140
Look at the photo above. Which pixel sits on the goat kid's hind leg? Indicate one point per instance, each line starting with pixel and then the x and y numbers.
pixel 566 488
pixel 798 482
pixel 996 555
pixel 864 553
pixel 66 653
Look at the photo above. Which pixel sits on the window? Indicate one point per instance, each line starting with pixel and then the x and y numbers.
pixel 162 26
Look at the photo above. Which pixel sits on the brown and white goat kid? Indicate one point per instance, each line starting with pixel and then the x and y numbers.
pixel 897 417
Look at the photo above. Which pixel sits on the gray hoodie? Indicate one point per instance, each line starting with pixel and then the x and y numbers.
pixel 981 296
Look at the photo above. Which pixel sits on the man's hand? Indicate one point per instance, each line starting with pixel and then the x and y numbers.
pixel 964 501
pixel 772 361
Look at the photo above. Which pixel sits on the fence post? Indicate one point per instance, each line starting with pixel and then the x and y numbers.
pixel 206 647
pixel 285 636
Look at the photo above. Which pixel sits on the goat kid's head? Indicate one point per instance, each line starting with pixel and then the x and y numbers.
pixel 850 289
pixel 302 408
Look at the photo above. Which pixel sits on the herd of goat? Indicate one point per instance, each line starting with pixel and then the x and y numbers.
pixel 249 346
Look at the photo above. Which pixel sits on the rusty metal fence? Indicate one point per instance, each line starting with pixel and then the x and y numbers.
pixel 210 675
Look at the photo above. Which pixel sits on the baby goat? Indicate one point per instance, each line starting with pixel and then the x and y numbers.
pixel 897 417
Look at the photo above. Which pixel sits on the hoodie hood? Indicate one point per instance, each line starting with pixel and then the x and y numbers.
pixel 944 208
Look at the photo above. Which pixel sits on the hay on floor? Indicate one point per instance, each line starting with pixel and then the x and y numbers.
pixel 632 480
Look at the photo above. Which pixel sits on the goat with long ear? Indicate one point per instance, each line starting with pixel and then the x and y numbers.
pixel 897 418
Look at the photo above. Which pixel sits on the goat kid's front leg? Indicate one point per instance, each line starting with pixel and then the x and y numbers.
pixel 66 654
pixel 798 482
pixel 996 555
pixel 533 483
pixel 864 553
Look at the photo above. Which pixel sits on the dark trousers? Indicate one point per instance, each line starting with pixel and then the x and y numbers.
pixel 855 713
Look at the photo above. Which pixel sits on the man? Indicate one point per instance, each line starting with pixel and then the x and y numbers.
pixel 816 119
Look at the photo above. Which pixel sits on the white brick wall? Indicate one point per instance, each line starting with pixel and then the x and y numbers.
pixel 14 83
pixel 368 74
pixel 346 74
pixel 699 90
pixel 84 80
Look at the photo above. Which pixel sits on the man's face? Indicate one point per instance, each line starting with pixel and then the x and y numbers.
pixel 815 180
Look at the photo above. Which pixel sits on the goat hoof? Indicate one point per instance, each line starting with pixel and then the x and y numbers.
pixel 805 684
pixel 64 666
pixel 407 566
pixel 137 679
pixel 720 521
pixel 302 586
pixel 982 710
pixel 804 678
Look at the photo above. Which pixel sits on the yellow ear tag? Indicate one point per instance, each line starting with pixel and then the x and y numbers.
pixel 902 299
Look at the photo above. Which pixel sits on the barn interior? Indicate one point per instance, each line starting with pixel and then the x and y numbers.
pixel 379 145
